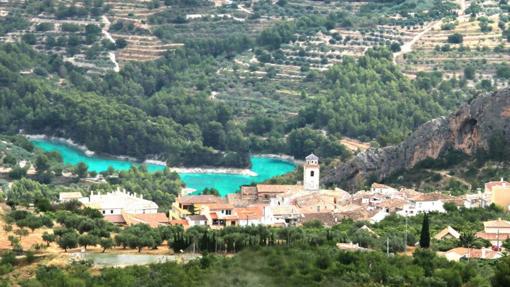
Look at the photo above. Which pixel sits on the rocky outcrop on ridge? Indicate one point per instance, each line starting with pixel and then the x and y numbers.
pixel 467 130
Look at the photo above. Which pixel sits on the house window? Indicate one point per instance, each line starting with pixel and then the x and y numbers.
pixel 111 211
pixel 312 173
pixel 104 212
pixel 228 212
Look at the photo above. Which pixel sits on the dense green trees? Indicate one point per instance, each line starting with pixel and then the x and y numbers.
pixel 25 191
pixel 161 187
pixel 139 236
pixel 304 141
pixel 297 266
pixel 167 128
pixel 501 277
pixel 370 98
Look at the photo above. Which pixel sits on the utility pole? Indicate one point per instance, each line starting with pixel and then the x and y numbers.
pixel 497 238
pixel 405 237
pixel 387 247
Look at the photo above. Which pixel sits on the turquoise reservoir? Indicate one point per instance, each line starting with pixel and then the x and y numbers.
pixel 265 168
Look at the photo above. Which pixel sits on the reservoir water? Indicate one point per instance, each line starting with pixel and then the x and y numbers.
pixel 265 168
pixel 116 260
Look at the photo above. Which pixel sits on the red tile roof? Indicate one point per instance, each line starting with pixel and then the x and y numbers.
pixel 278 188
pixel 252 212
pixel 219 206
pixel 432 196
pixel 152 219
pixel 115 218
pixel 492 236
pixel 379 185
pixel 497 224
pixel 491 184
pixel 199 199
pixel 475 253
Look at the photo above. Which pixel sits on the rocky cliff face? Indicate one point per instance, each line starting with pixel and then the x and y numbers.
pixel 467 130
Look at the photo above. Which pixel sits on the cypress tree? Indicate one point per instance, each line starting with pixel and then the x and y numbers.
pixel 425 232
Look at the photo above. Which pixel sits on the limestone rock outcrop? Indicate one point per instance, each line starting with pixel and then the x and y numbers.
pixel 467 130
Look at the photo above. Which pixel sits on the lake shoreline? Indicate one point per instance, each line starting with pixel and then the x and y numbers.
pixel 180 170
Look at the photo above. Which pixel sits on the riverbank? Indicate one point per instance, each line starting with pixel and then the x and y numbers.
pixel 283 157
pixel 225 180
pixel 210 170
pixel 205 169
pixel 162 164
pixel 68 142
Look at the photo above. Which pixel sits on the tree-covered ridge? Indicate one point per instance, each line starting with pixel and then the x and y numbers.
pixel 35 105
pixel 370 98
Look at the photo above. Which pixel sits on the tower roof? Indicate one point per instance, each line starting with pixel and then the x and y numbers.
pixel 312 157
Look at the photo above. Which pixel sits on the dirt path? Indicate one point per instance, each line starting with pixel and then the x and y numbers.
pixel 408 46
pixel 108 36
pixel 462 5
pixel 245 10
pixel 354 145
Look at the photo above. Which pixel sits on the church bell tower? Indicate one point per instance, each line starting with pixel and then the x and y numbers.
pixel 311 173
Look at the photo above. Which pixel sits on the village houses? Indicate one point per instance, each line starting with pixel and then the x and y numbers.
pixel 286 205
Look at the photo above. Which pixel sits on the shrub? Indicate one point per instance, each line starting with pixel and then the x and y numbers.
pixel 456 38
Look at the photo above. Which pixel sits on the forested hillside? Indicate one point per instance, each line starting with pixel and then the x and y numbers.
pixel 202 104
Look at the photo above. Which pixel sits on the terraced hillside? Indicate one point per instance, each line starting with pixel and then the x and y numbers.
pixel 477 43
pixel 71 29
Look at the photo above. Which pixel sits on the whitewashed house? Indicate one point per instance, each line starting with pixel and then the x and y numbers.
pixel 382 189
pixel 69 196
pixel 118 202
pixel 423 203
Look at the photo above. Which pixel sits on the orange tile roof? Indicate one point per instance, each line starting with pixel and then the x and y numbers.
pixel 474 253
pixel 492 236
pixel 199 199
pixel 248 190
pixel 219 206
pixel 392 203
pixel 252 212
pixel 115 218
pixel 432 196
pixel 491 184
pixel 278 188
pixel 152 219
pixel 497 224
pixel 379 185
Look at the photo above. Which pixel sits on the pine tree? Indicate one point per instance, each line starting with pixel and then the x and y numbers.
pixel 425 232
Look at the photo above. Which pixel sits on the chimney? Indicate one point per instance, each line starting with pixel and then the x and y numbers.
pixel 483 253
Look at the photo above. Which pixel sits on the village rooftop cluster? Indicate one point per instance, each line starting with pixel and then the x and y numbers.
pixel 289 205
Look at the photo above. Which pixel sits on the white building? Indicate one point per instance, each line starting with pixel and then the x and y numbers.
pixel 423 203
pixel 382 189
pixel 118 202
pixel 69 196
pixel 311 173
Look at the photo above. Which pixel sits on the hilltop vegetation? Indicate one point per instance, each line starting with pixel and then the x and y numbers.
pixel 304 267
pixel 201 105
